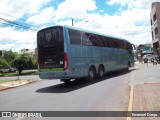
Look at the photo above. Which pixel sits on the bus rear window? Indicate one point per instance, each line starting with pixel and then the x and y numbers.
pixel 50 48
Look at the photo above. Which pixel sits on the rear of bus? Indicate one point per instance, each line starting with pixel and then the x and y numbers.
pixel 52 56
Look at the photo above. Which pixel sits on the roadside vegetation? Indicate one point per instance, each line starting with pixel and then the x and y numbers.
pixel 14 61
pixel 17 74
pixel 4 81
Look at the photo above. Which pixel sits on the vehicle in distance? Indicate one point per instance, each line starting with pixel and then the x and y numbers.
pixel 149 57
pixel 66 53
pixel 5 70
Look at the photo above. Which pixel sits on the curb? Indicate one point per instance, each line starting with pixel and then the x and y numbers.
pixel 13 84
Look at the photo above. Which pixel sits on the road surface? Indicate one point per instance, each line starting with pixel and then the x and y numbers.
pixel 108 94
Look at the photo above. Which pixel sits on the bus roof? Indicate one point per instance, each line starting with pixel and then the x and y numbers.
pixel 84 30
pixel 90 31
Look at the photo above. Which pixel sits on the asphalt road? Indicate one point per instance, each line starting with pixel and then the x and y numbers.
pixel 108 94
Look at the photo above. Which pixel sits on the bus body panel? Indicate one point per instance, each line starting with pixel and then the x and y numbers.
pixel 81 57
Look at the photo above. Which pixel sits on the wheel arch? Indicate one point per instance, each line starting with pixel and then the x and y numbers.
pixel 94 67
pixel 101 65
pixel 129 63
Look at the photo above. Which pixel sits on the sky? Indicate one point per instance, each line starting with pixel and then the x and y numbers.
pixel 127 19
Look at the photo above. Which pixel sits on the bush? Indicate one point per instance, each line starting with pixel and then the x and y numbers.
pixel 3 63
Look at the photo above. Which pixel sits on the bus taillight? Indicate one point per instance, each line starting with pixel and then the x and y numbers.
pixel 65 61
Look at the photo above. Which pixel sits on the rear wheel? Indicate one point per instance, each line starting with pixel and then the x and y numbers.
pixel 127 68
pixel 100 71
pixel 91 73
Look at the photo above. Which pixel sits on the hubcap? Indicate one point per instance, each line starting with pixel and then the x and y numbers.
pixel 91 74
pixel 101 73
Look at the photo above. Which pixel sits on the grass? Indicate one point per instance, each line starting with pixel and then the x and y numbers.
pixel 16 74
pixel 2 81
pixel 52 69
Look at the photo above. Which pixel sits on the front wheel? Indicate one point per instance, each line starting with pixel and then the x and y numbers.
pixel 100 72
pixel 127 68
pixel 91 73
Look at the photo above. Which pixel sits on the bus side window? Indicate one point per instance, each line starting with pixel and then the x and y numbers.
pixel 85 39
pixel 130 51
pixel 102 40
pixel 121 44
pixel 129 47
pixel 110 42
pixel 75 36
pixel 95 40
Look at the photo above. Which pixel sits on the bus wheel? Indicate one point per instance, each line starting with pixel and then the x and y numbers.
pixel 127 68
pixel 66 80
pixel 100 71
pixel 91 73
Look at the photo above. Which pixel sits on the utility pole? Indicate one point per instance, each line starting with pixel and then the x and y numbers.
pixel 72 23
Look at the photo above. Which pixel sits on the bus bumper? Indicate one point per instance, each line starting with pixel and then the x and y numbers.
pixel 55 75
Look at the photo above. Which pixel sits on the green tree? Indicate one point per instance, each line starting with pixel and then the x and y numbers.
pixel 18 63
pixel 34 62
pixel 3 63
pixel 10 56
pixel 25 61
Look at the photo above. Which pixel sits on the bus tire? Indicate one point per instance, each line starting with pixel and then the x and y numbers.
pixel 127 68
pixel 100 71
pixel 92 73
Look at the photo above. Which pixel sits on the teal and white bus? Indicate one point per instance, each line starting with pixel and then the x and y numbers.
pixel 66 52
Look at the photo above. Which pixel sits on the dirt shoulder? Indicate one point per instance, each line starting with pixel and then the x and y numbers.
pixel 16 83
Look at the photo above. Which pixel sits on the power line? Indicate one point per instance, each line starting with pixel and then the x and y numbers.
pixel 12 16
pixel 20 19
pixel 17 24
pixel 12 25
pixel 6 23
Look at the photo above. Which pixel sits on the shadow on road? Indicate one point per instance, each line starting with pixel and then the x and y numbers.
pixel 77 84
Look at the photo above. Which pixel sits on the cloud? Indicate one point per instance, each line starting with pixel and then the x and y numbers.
pixel 76 9
pixel 132 3
pixel 66 22
pixel 6 46
pixel 45 16
pixel 16 40
pixel 128 24
pixel 19 8
pixel 121 2
pixel 137 16
pixel 131 23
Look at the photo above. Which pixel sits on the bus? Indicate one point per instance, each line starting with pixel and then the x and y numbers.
pixel 67 52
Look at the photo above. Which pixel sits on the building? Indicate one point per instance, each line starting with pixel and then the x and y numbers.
pixel 2 52
pixel 143 50
pixel 140 47
pixel 155 26
pixel 30 51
